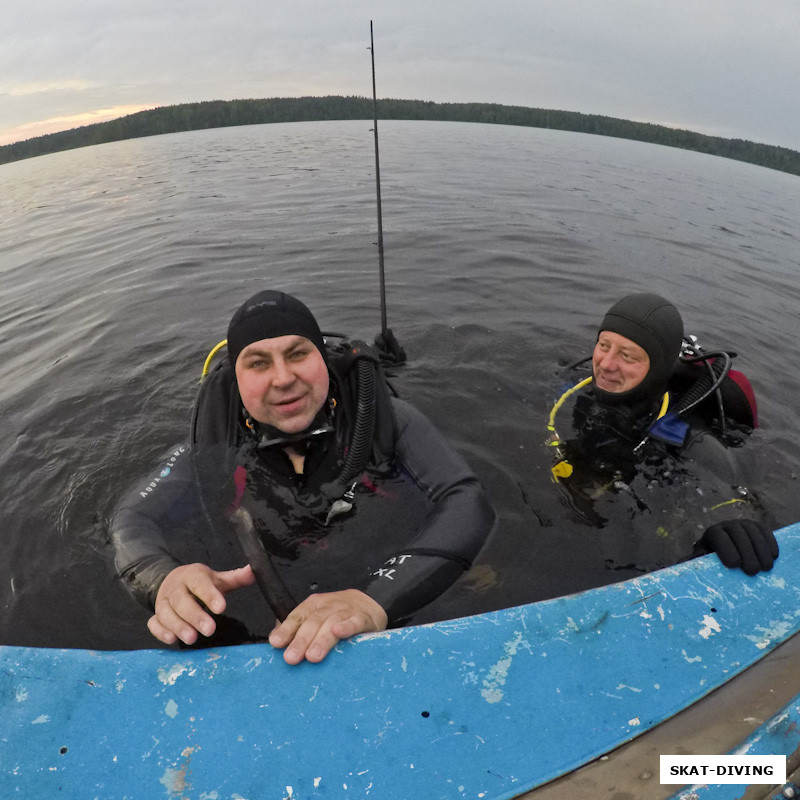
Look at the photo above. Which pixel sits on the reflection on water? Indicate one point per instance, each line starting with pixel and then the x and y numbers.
pixel 121 265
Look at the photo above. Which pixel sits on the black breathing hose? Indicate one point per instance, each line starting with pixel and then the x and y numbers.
pixel 364 428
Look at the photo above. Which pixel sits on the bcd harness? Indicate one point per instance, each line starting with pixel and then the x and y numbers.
pixel 363 398
pixel 732 391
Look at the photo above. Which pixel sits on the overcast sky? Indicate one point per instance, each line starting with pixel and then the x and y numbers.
pixel 723 67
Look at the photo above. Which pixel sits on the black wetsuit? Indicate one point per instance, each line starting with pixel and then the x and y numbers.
pixel 420 514
pixel 650 506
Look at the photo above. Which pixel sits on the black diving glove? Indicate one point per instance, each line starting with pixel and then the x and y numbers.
pixel 742 543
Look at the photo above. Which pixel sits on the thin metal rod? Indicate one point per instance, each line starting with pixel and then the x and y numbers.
pixel 378 186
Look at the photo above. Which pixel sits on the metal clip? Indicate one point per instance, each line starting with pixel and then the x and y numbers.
pixel 342 505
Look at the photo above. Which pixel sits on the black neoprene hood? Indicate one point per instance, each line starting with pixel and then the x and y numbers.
pixel 269 314
pixel 656 326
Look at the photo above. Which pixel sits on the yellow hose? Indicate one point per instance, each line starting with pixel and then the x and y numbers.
pixel 210 357
pixel 551 422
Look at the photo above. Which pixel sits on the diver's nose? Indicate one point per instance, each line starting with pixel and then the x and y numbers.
pixel 608 361
pixel 282 375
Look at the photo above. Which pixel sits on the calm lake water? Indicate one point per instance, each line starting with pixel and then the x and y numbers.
pixel 121 265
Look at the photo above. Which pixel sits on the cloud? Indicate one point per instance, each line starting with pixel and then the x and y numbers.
pixel 721 66
pixel 41 87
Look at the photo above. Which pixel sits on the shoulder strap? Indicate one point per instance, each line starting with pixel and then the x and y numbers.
pixel 216 409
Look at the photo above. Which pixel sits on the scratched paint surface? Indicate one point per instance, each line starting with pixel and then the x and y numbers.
pixel 482 707
pixel 779 735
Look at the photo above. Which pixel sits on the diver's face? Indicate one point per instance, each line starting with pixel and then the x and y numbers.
pixel 619 364
pixel 283 382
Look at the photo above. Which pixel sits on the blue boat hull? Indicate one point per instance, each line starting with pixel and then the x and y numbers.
pixel 489 706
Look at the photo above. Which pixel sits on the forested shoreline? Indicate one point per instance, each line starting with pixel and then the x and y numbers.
pixel 226 113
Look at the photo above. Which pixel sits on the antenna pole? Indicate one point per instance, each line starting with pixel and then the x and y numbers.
pixel 388 346
pixel 378 186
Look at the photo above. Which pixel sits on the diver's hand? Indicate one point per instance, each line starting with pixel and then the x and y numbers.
pixel 182 595
pixel 321 620
pixel 742 543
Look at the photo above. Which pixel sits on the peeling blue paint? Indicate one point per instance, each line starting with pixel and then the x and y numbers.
pixel 488 706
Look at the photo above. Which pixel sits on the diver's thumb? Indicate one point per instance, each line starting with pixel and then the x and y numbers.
pixel 233 579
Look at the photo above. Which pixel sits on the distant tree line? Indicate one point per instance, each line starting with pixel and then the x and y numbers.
pixel 225 113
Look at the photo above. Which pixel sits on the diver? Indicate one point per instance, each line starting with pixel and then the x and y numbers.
pixel 358 512
pixel 650 463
